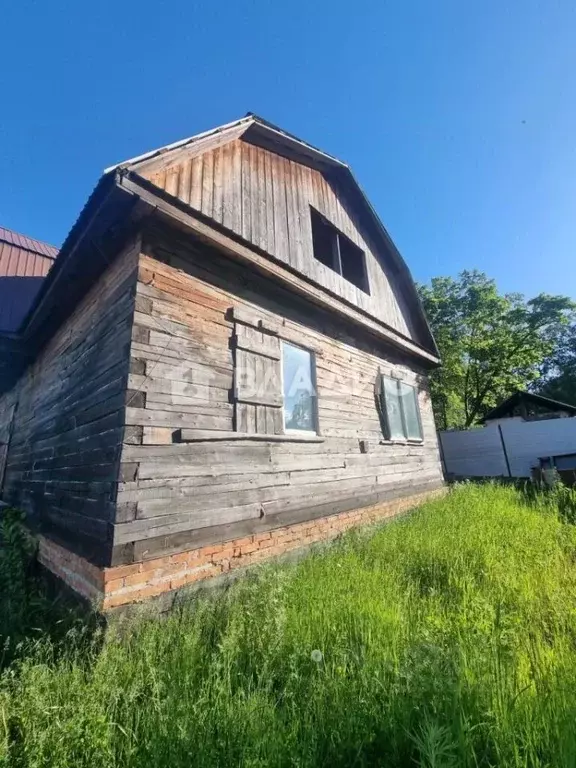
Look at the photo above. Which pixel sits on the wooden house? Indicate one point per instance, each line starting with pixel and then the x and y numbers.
pixel 227 361
pixel 528 406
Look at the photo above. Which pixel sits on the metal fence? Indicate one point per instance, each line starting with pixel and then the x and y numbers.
pixel 511 448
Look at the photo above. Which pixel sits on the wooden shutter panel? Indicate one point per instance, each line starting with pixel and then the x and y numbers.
pixel 257 380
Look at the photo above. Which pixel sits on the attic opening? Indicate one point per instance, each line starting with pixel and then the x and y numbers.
pixel 336 251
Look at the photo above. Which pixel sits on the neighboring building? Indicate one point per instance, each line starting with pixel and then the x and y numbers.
pixel 529 407
pixel 24 263
pixel 229 360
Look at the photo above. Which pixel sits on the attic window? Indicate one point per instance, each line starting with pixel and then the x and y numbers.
pixel 336 251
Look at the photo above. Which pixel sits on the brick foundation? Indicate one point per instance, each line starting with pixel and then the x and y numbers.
pixel 123 585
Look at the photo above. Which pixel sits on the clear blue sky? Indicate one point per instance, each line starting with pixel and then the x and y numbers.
pixel 458 118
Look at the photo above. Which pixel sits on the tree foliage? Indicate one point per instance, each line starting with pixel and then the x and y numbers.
pixel 559 376
pixel 491 344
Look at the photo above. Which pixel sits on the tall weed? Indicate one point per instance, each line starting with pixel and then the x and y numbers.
pixel 444 639
pixel 30 613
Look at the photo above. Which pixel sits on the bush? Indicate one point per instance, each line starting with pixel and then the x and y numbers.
pixel 446 638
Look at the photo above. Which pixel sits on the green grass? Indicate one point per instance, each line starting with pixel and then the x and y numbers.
pixel 447 639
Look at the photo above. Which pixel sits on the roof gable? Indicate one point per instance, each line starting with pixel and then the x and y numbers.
pixel 254 129
pixel 176 169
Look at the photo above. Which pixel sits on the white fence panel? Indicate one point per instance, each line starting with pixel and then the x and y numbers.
pixel 479 452
pixel 528 441
pixel 474 453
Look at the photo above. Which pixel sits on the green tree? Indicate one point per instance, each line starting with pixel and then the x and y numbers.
pixel 491 344
pixel 559 374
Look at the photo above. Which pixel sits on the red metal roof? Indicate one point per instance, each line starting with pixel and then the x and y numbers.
pixel 27 243
pixel 24 263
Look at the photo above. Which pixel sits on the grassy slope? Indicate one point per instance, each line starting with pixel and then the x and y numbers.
pixel 448 639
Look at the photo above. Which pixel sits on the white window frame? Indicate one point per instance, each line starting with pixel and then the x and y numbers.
pixel 383 410
pixel 304 432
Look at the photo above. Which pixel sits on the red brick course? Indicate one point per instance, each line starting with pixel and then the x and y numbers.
pixel 125 584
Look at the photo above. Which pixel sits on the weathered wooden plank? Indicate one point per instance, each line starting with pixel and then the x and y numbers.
pixel 269 210
pixel 177 351
pixel 207 183
pixel 254 318
pixel 254 340
pixel 247 201
pixel 201 485
pixel 196 435
pixel 193 373
pixel 146 529
pixel 237 187
pixel 281 238
pixel 184 181
pixel 197 166
pixel 205 483
pixel 160 418
pixel 228 201
pixel 198 393
pixel 297 255
pixel 217 195
pixel 156 400
pixel 155 435
pixel 172 180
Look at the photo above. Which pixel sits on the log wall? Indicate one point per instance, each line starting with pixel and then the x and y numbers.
pixel 220 484
pixel 68 423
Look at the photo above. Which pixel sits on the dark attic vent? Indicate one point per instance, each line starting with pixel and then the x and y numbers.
pixel 336 251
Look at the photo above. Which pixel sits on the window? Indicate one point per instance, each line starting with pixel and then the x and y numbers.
pixel 338 252
pixel 298 388
pixel 398 409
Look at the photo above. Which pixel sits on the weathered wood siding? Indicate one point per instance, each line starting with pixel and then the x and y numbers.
pixel 174 495
pixel 266 199
pixel 62 462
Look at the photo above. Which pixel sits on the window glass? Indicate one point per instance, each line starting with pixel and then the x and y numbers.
pixel 393 411
pixel 409 402
pixel 299 390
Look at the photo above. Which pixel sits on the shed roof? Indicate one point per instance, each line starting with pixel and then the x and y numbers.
pixel 24 263
pixel 502 410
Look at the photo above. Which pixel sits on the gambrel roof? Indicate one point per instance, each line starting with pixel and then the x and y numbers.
pixel 260 133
